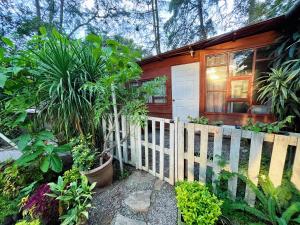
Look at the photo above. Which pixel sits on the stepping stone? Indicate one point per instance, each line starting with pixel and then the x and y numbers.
pixel 139 201
pixel 158 184
pixel 122 220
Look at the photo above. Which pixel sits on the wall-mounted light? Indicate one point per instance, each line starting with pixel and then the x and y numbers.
pixel 192 52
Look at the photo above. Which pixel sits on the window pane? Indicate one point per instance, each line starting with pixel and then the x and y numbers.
pixel 238 107
pixel 262 67
pixel 215 102
pixel 241 63
pixel 265 52
pixel 159 95
pixel 216 78
pixel 239 88
pixel 216 60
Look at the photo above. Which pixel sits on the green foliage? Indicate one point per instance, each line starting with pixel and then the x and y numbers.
pixel 200 120
pixel 197 204
pixel 74 199
pixel 8 207
pixel 280 87
pixel 14 179
pixel 275 205
pixel 32 222
pixel 268 127
pixel 83 153
pixel 37 149
pixel 72 175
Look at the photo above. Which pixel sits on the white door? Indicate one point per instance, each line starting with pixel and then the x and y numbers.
pixel 185 90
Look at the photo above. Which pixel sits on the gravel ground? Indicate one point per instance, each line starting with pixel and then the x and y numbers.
pixel 109 202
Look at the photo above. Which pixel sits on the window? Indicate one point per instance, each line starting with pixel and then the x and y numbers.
pixel 230 77
pixel 159 96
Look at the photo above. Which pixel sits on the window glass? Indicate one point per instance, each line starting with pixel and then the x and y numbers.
pixel 238 107
pixel 159 94
pixel 241 63
pixel 215 101
pixel 216 60
pixel 239 88
pixel 262 67
pixel 265 52
pixel 216 78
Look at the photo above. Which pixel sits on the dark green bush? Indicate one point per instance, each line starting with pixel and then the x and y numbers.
pixel 197 204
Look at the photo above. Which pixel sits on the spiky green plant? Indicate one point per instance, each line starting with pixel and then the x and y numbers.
pixel 274 204
pixel 280 87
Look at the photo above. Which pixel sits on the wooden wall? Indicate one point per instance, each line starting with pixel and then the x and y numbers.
pixel 163 67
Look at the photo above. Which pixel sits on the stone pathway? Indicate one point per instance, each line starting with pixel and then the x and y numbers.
pixel 141 199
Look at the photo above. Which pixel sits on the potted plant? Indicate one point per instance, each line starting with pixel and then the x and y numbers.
pixel 197 205
pixel 97 167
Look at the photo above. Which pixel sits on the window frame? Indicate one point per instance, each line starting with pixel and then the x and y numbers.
pixel 250 77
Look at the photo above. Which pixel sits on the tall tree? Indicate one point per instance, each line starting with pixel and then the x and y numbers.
pixel 190 21
pixel 156 25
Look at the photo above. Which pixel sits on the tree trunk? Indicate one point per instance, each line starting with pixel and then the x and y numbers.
pixel 251 11
pixel 202 31
pixel 38 13
pixel 61 14
pixel 156 25
pixel 51 11
pixel 113 93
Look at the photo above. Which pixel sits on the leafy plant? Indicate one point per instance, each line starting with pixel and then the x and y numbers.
pixel 280 88
pixel 197 204
pixel 40 206
pixel 200 120
pixel 32 222
pixel 269 128
pixel 71 175
pixel 36 148
pixel 8 207
pixel 274 206
pixel 74 199
pixel 83 153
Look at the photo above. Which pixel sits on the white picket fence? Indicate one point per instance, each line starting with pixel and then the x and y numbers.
pixel 167 149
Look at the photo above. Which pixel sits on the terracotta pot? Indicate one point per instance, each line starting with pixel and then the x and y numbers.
pixel 102 175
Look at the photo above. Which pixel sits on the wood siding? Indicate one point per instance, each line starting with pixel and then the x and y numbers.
pixel 163 68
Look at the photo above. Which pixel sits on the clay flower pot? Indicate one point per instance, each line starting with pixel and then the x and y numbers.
pixel 102 175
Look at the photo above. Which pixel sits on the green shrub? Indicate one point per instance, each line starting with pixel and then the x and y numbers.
pixel 71 175
pixel 197 204
pixel 83 154
pixel 25 222
pixel 8 207
pixel 199 120
pixel 73 198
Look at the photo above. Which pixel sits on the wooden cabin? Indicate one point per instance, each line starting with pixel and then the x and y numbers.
pixel 216 78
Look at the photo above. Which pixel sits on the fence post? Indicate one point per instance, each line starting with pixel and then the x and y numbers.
pixel 180 152
pixel 218 138
pixel 176 149
pixel 124 134
pixel 172 153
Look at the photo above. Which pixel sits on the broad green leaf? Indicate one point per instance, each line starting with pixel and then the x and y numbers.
pixel 3 79
pixel 45 164
pixel 23 140
pixel 45 135
pixel 56 163
pixel 21 118
pixel 63 148
pixel 94 38
pixel 28 157
pixel 43 30
pixel 7 41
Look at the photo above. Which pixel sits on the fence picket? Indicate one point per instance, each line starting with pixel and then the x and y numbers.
pixel 203 153
pixel 124 135
pixel 139 146
pixel 234 160
pixel 191 151
pixel 153 148
pixel 162 147
pixel 132 144
pixel 172 154
pixel 278 159
pixel 296 167
pixel 218 138
pixel 146 147
pixel 255 155
pixel 180 159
